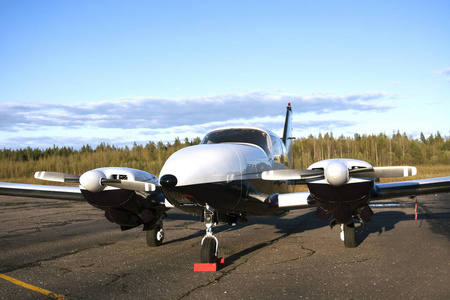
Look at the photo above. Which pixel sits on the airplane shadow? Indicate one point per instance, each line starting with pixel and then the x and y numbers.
pixel 386 221
pixel 381 222
pixel 285 226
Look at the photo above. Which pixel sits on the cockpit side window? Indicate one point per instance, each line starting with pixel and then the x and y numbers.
pixel 232 135
pixel 278 150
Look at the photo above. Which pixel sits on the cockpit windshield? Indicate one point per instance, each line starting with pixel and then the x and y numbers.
pixel 237 135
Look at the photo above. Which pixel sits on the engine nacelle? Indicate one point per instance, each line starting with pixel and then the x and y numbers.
pixel 124 206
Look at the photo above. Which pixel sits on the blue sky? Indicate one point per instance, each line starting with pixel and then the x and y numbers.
pixel 77 72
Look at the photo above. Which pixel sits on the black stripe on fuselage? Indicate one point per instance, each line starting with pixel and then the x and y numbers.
pixel 248 197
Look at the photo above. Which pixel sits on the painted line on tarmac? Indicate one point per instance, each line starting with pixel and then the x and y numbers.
pixel 32 287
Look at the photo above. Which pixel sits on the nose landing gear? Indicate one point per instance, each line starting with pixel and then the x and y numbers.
pixel 210 244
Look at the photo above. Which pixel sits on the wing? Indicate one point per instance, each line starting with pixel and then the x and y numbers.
pixel 343 188
pixel 380 191
pixel 411 188
pixel 41 191
pixel 94 180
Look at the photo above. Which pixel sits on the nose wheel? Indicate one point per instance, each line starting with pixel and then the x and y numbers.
pixel 210 244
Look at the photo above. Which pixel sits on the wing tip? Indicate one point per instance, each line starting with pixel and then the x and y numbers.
pixel 39 175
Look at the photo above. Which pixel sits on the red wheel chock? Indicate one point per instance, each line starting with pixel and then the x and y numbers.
pixel 210 267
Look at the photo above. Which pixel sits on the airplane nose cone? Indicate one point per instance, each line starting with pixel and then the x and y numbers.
pixel 168 180
pixel 204 164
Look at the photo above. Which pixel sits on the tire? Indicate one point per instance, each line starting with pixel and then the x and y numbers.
pixel 208 252
pixel 349 236
pixel 155 236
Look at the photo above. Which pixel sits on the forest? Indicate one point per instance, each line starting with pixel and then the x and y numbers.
pixel 430 154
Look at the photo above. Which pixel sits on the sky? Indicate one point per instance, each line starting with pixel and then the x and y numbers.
pixel 84 72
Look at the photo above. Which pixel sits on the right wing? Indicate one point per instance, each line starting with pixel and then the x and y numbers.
pixel 41 191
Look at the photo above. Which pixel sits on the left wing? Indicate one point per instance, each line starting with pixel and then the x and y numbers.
pixel 344 187
pixel 380 191
pixel 411 188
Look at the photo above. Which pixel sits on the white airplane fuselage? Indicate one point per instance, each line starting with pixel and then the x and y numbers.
pixel 226 175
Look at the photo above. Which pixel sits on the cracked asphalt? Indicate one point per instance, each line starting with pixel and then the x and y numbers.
pixel 70 249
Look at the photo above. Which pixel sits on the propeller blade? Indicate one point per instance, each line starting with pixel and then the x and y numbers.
pixel 129 185
pixel 384 172
pixel 290 174
pixel 93 181
pixel 56 176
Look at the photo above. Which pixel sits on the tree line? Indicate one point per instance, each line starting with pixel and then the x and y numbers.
pixel 378 150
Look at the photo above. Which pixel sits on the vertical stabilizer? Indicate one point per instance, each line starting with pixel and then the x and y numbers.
pixel 287 133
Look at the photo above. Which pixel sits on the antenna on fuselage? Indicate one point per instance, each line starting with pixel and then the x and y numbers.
pixel 287 133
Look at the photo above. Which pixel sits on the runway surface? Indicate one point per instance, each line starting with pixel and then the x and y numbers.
pixel 70 250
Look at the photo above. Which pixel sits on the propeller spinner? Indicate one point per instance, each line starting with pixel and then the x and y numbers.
pixel 336 173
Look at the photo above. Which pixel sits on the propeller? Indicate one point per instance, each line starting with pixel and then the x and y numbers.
pixel 337 173
pixel 291 174
pixel 384 172
pixel 95 181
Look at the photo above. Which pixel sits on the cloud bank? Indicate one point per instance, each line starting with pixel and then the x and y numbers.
pixel 124 118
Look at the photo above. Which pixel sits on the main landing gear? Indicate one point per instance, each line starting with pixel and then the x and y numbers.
pixel 155 236
pixel 348 235
pixel 210 244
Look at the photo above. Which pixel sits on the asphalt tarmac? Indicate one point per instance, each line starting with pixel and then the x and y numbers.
pixel 51 249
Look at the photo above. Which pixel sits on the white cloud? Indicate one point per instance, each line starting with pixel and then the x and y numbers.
pixel 445 71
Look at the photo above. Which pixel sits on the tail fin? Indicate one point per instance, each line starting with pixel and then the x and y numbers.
pixel 287 134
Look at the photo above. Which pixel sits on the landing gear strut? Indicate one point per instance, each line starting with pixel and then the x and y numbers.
pixel 210 244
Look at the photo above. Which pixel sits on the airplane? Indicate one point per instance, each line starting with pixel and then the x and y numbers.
pixel 233 174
